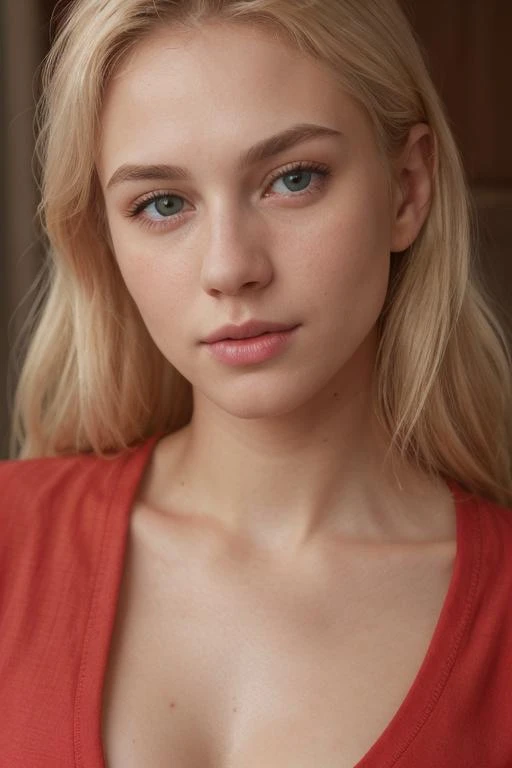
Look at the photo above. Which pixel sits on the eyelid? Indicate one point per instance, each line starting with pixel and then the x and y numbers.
pixel 300 165
pixel 137 208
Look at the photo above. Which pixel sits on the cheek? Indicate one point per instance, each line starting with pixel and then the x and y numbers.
pixel 347 268
pixel 159 287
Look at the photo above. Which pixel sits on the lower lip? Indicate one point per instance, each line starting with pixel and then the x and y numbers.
pixel 254 350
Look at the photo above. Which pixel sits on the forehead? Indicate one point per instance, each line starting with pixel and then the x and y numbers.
pixel 220 83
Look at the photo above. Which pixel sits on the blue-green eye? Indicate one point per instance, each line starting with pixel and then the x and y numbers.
pixel 297 178
pixel 156 209
pixel 165 205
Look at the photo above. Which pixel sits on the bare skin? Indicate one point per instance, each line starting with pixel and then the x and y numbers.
pixel 278 574
pixel 227 655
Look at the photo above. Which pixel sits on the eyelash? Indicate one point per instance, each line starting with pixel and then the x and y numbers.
pixel 136 211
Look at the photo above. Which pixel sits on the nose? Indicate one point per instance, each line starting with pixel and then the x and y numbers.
pixel 234 256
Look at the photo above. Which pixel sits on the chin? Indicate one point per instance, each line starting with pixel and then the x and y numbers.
pixel 263 402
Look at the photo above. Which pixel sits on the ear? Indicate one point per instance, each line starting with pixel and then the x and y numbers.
pixel 413 173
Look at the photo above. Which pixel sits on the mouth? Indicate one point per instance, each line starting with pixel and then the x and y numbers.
pixel 251 350
pixel 247 338
pixel 252 329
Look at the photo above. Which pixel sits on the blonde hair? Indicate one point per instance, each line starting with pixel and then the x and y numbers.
pixel 94 380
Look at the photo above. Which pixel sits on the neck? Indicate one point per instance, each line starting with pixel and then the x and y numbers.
pixel 285 480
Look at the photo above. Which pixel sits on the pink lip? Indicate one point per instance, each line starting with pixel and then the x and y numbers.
pixel 251 350
pixel 250 329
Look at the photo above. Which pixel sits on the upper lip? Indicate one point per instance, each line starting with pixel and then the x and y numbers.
pixel 247 330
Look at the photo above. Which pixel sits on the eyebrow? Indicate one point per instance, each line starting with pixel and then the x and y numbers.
pixel 261 151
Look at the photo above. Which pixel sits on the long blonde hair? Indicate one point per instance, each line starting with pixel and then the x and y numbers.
pixel 93 380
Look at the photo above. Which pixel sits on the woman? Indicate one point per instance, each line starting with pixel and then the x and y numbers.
pixel 266 518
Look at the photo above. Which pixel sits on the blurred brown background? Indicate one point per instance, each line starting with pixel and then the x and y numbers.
pixel 469 52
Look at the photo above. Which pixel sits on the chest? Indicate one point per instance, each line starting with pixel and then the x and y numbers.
pixel 243 664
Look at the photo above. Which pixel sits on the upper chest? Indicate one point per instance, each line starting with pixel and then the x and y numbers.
pixel 232 661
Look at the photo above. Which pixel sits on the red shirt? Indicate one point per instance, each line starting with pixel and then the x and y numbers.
pixel 64 524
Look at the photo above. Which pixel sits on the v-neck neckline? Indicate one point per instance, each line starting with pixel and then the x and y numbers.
pixel 418 704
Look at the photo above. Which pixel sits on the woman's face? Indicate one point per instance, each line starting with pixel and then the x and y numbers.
pixel 227 241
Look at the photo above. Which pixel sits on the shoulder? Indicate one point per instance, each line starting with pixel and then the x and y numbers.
pixel 493 548
pixel 485 533
pixel 55 515
pixel 496 520
pixel 31 483
pixel 52 499
pixel 492 517
pixel 44 491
